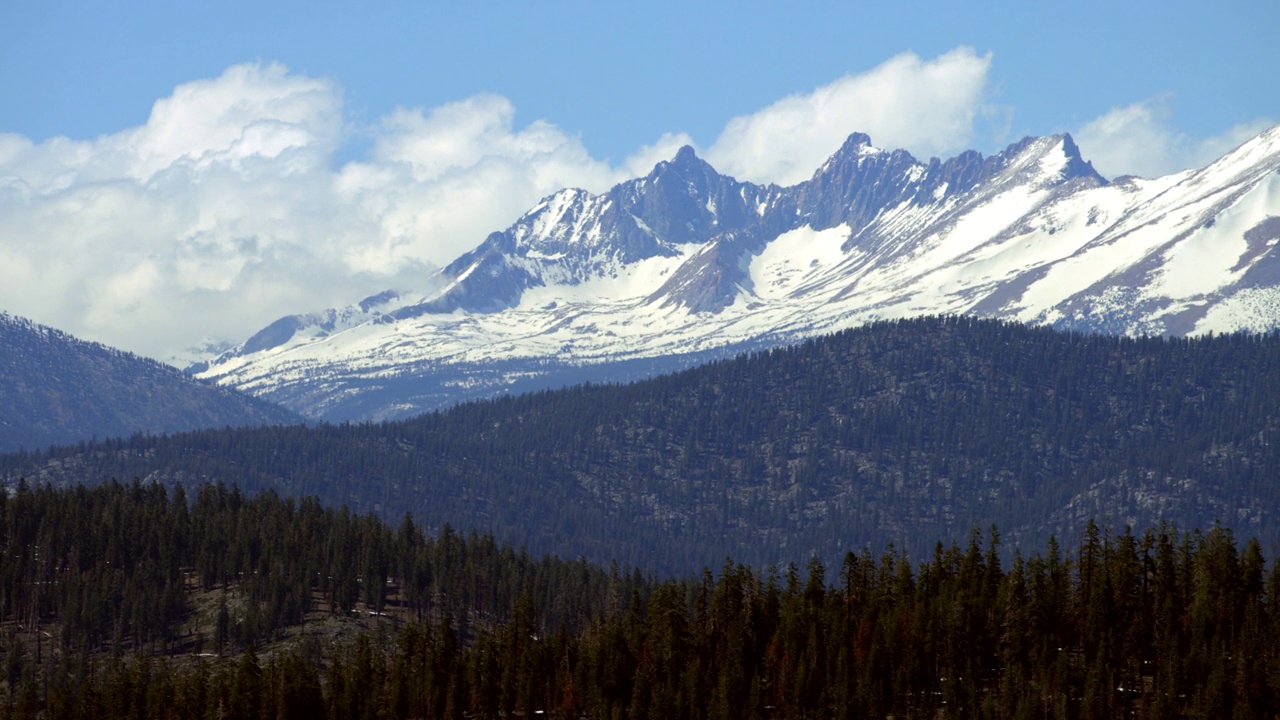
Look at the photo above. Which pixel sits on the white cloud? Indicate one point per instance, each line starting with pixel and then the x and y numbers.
pixel 251 111
pixel 224 211
pixel 438 182
pixel 1139 139
pixel 927 107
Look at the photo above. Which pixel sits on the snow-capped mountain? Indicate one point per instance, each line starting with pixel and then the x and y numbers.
pixel 686 265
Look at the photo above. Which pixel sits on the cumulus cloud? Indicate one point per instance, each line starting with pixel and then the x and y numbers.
pixel 438 182
pixel 224 210
pixel 925 106
pixel 251 111
pixel 227 209
pixel 1139 139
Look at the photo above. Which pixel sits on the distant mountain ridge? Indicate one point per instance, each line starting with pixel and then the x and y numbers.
pixel 908 431
pixel 56 389
pixel 686 265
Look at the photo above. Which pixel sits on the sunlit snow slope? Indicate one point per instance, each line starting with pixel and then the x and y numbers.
pixel 685 265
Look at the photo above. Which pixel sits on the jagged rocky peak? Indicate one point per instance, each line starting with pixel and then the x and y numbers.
pixel 954 175
pixel 556 221
pixel 1028 233
pixel 1076 166
pixel 574 227
pixel 857 182
pixel 685 163
pixel 855 146
pixel 561 205
pixel 1049 160
pixel 686 200
pixel 857 152
pixel 685 155
pixel 685 175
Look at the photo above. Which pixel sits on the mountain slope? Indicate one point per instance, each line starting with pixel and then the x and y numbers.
pixel 57 389
pixel 686 265
pixel 906 431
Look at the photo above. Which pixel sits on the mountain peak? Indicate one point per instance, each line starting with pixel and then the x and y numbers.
pixel 685 155
pixel 685 163
pixel 1076 166
pixel 685 263
pixel 1056 158
pixel 1070 148
pixel 856 141
pixel 855 146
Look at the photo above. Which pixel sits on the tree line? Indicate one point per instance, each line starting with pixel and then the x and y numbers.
pixel 903 432
pixel 101 592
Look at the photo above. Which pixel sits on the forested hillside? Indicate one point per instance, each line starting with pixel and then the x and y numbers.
pixel 57 389
pixel 127 601
pixel 902 432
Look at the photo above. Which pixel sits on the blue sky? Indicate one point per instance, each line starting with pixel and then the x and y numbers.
pixel 163 162
pixel 623 73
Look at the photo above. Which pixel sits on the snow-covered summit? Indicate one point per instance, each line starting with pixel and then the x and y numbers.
pixel 685 264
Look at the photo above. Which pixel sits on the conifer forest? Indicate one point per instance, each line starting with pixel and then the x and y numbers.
pixel 933 518
pixel 133 601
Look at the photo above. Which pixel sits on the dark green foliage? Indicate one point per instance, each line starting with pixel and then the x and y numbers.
pixel 1161 624
pixel 902 432
pixel 112 569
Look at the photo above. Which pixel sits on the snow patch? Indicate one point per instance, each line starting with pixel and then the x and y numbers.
pixel 1250 310
pixel 1203 262
pixel 794 257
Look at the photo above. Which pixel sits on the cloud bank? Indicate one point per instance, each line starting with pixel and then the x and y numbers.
pixel 228 208
pixel 224 211
pixel 926 107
